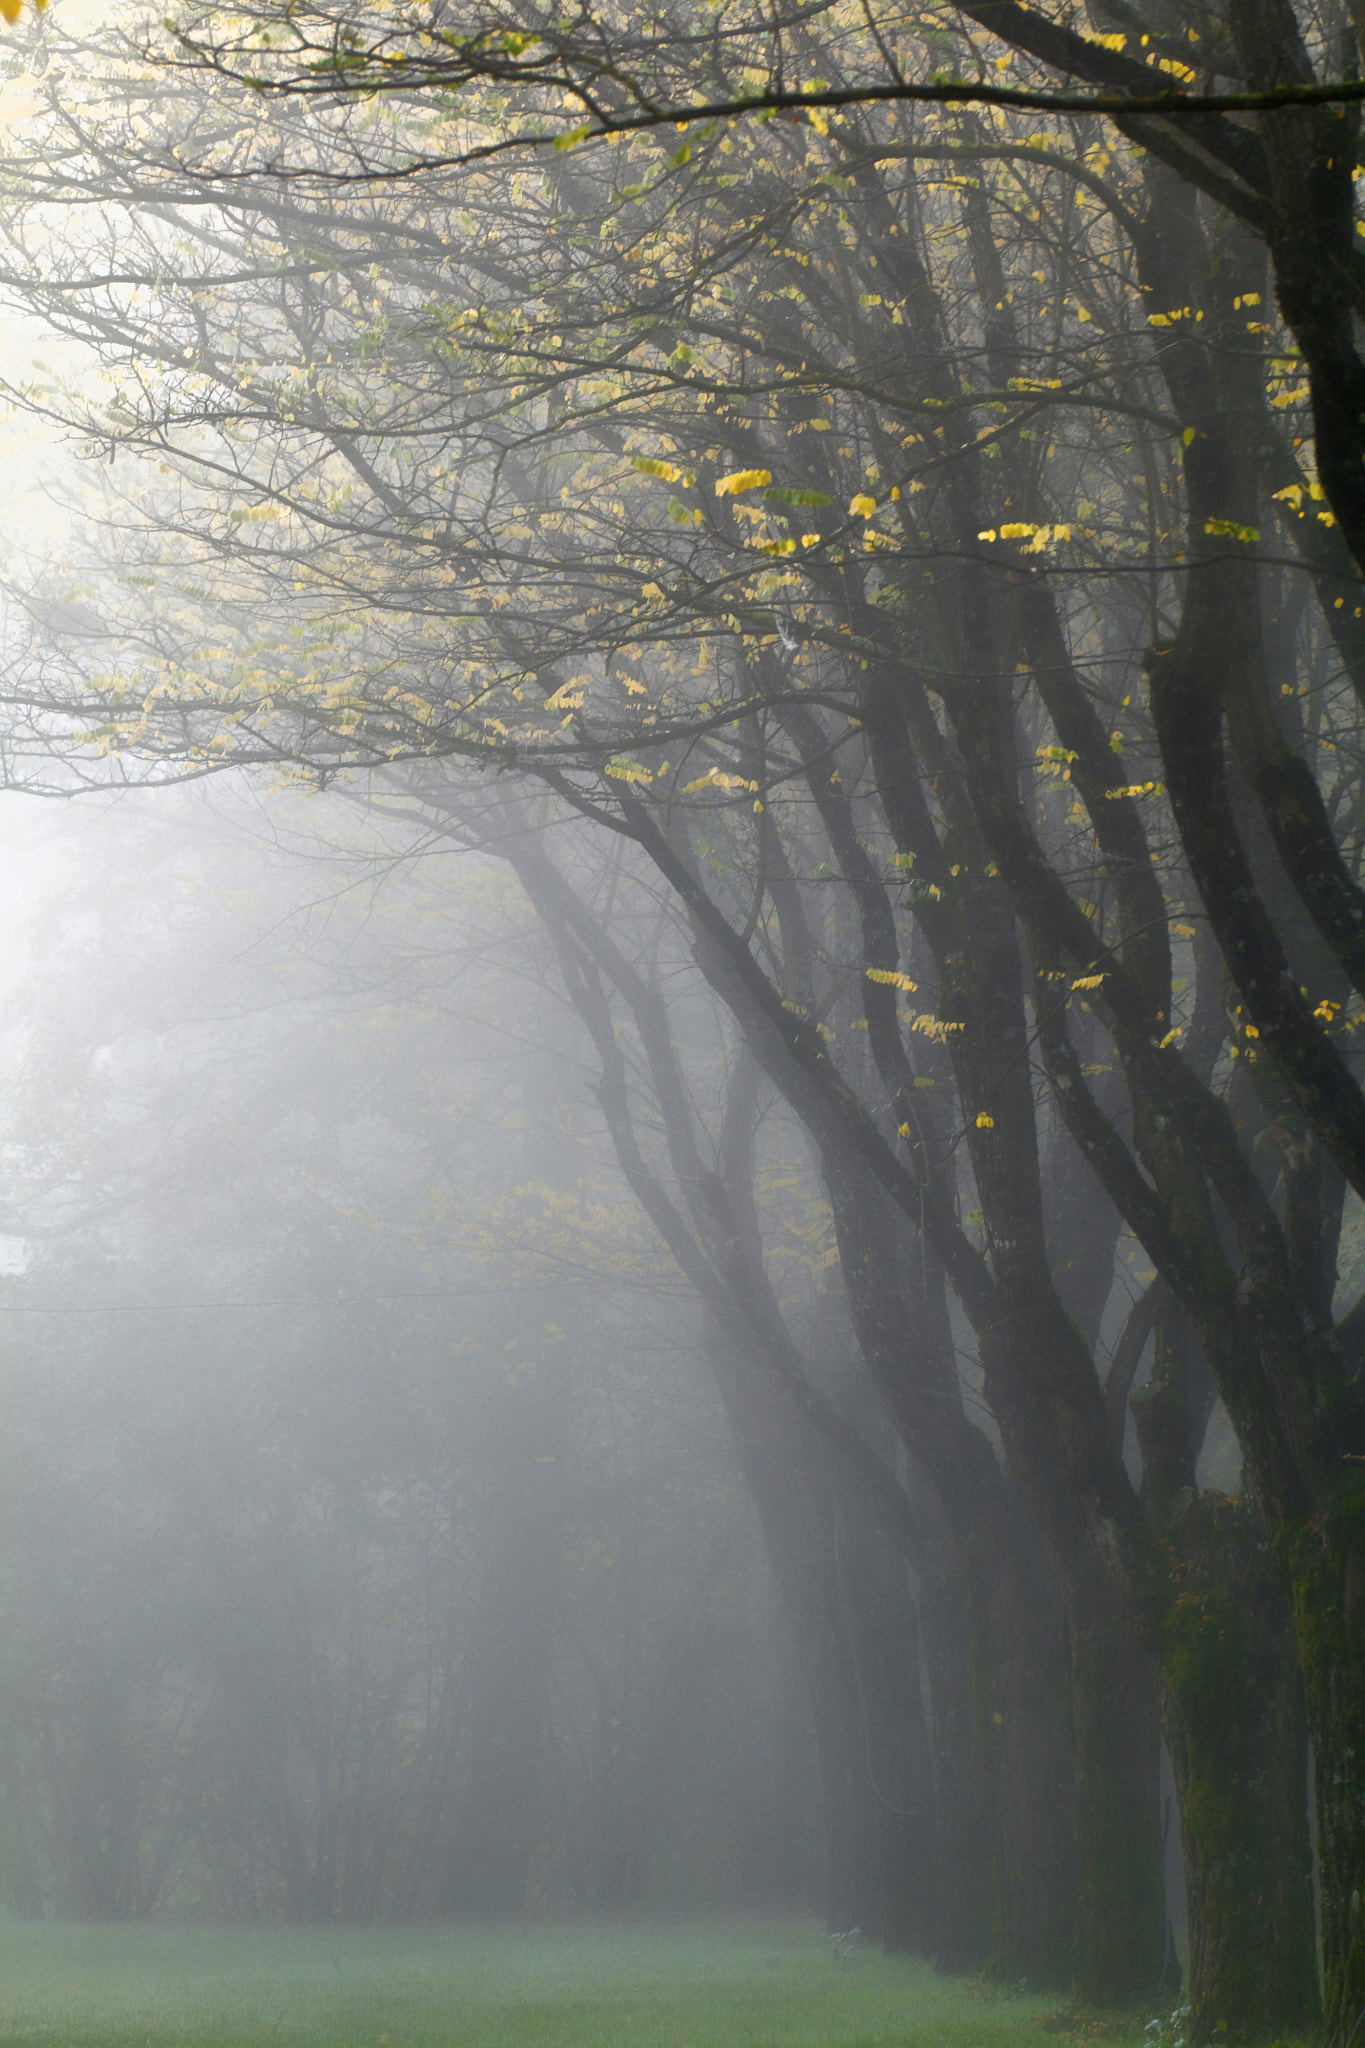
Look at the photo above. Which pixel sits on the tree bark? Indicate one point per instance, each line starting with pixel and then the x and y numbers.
pixel 1237 1734
pixel 1121 1899
pixel 1326 1564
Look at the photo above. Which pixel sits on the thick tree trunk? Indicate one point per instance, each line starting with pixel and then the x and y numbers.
pixel 1121 1899
pixel 956 1655
pixel 853 1889
pixel 882 1629
pixel 858 1642
pixel 1005 1773
pixel 1235 1727
pixel 1327 1572
pixel 1029 1733
pixel 1002 1715
pixel 848 1598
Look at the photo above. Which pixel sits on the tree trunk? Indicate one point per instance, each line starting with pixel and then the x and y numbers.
pixel 853 1890
pixel 1121 1897
pixel 956 1655
pixel 1003 1714
pixel 855 1627
pixel 1327 1573
pixel 1028 1729
pixel 882 1630
pixel 1235 1727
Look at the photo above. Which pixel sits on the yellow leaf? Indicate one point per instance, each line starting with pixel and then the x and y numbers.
pixel 984 1122
pixel 742 480
pixel 1232 530
pixel 863 505
pixel 715 779
pixel 890 977
pixel 562 700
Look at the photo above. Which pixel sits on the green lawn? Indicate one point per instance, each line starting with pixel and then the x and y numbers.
pixel 722 1984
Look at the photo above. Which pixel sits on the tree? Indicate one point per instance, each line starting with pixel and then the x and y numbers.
pixel 518 555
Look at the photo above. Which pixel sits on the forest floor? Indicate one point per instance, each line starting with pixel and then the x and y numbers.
pixel 730 1982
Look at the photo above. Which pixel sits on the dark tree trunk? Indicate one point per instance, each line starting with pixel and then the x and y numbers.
pixel 881 1626
pixel 853 1888
pixel 1121 1900
pixel 1237 1733
pixel 1327 1573
pixel 846 1592
pixel 956 1657
pixel 1003 1716
pixel 1029 1732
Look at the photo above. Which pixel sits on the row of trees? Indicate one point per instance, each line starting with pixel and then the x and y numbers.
pixel 902 563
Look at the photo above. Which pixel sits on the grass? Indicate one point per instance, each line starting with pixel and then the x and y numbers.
pixel 733 1983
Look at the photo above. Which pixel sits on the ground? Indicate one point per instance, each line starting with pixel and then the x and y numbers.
pixel 725 1983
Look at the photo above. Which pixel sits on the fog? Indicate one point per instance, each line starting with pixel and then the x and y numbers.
pixel 374 1543
pixel 682 1171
